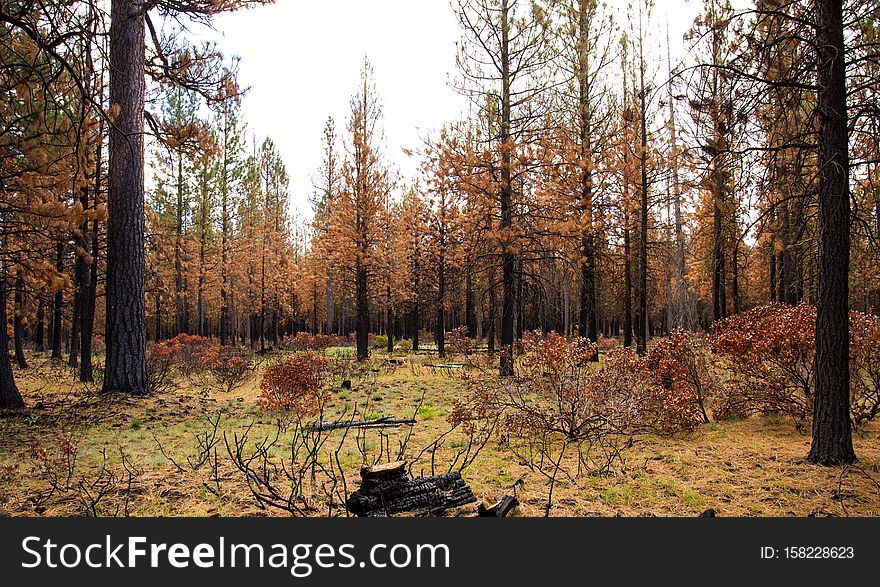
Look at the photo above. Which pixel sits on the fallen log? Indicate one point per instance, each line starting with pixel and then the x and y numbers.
pixel 383 422
pixel 387 490
pixel 499 509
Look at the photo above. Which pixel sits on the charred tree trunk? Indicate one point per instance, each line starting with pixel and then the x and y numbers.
pixel 362 313
pixel 470 318
pixel 643 334
pixel 772 276
pixel 389 320
pixel 40 331
pixel 627 280
pixel 9 395
pixel 439 330
pixel 17 322
pixel 508 259
pixel 126 364
pixel 832 433
pixel 57 304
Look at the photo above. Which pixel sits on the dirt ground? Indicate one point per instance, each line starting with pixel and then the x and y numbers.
pixel 75 452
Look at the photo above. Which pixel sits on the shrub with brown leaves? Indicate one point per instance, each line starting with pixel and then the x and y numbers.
pixel 679 364
pixel 296 384
pixel 864 366
pixel 771 354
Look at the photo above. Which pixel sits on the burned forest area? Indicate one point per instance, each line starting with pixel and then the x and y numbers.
pixel 635 275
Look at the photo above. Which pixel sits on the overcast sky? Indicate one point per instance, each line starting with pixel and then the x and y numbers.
pixel 301 61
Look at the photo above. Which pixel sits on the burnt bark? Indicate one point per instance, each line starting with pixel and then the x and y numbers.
pixel 9 394
pixel 832 432
pixel 126 364
pixel 362 311
pixel 387 489
pixel 57 303
pixel 18 323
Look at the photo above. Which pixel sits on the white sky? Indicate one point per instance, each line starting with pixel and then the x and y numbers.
pixel 302 59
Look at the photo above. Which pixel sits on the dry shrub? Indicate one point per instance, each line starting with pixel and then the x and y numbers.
pixel 651 394
pixel 563 399
pixel 771 354
pixel 607 343
pixel 200 360
pixel 160 368
pixel 458 342
pixel 296 384
pixel 227 367
pixel 864 353
pixel 189 352
pixel 679 363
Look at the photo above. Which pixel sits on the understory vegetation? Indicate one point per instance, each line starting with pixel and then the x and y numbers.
pixel 698 422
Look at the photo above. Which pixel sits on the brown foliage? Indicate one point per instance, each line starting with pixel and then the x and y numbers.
pixel 771 351
pixel 297 384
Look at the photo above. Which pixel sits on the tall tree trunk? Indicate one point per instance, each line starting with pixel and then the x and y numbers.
pixel 17 323
pixel 178 252
pixel 734 266
pixel 126 361
pixel 718 305
pixel 362 311
pixel 642 335
pixel 439 330
pixel 57 304
pixel 81 280
pixel 772 276
pixel 832 433
pixel 9 395
pixel 89 284
pixel 389 319
pixel 587 319
pixel 508 259
pixel 470 318
pixel 328 294
pixel 682 318
pixel 566 302
pixel 40 331
pixel 627 281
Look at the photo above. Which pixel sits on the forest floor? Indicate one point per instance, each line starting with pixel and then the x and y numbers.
pixel 75 452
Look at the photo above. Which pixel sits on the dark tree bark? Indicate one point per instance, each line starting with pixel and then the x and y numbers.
pixel 832 432
pixel 81 281
pixel 362 311
pixel 57 304
pixel 389 320
pixel 439 330
pixel 508 259
pixel 17 323
pixel 627 279
pixel 126 364
pixel 642 334
pixel 40 331
pixel 587 316
pixel 718 305
pixel 734 266
pixel 470 317
pixel 9 395
pixel 91 284
pixel 772 276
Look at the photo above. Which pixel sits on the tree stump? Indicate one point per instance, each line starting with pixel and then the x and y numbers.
pixel 387 490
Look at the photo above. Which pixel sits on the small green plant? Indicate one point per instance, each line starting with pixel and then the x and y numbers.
pixel 429 412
